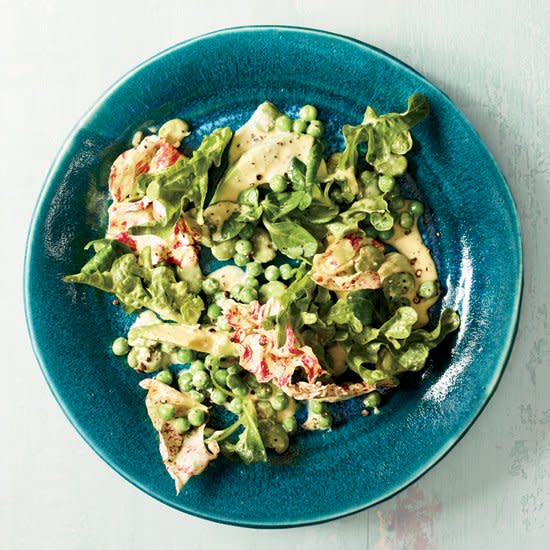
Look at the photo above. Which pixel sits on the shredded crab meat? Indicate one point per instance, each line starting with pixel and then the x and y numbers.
pixel 337 268
pixel 184 455
pixel 333 392
pixel 151 155
pixel 258 349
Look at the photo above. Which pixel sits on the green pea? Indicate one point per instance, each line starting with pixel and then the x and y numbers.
pixel 233 381
pixel 120 346
pixel 214 311
pixel 398 284
pixel 372 400
pixel 324 422
pixel 210 286
pixel 272 273
pixel 279 402
pixel 166 411
pixel 254 269
pixel 278 184
pixel 251 282
pixel 211 361
pixel 315 129
pixel 243 246
pixel 234 369
pixel 201 380
pixel 185 381
pixel 273 289
pixel 217 396
pixel 145 359
pixel 181 425
pixel 406 221
pixel 220 376
pixel 196 416
pixel 386 183
pixel 164 376
pixel 317 407
pixel 286 271
pixel 241 391
pixel 385 235
pixel 197 366
pixel 416 208
pixel 185 356
pixel 235 291
pixel 224 251
pixel 236 405
pixel 428 289
pixel 251 381
pixel 283 123
pixel 308 113
pixel 248 295
pixel 240 259
pixel 263 391
pixel 289 424
pixel 299 126
pixel 196 396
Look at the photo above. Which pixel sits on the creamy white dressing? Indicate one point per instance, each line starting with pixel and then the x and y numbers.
pixel 217 214
pixel 409 243
pixel 228 277
pixel 259 127
pixel 206 340
pixel 270 157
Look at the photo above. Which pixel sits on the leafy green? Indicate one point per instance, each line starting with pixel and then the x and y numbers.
pixel 341 314
pixel 291 239
pixel 250 446
pixel 137 286
pixel 387 137
pixel 186 181
pixel 296 299
pixel 348 221
pixel 396 346
pixel 106 252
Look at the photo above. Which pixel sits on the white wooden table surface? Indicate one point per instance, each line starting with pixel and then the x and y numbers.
pixel 492 58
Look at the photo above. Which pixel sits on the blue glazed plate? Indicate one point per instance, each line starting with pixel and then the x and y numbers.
pixel 219 79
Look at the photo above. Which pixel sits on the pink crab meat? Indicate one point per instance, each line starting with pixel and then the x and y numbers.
pixel 152 155
pixel 258 349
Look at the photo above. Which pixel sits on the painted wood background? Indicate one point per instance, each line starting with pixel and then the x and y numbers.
pixel 492 58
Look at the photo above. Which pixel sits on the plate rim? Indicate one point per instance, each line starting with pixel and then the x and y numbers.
pixel 50 179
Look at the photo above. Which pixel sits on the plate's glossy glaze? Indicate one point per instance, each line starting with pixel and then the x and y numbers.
pixel 219 79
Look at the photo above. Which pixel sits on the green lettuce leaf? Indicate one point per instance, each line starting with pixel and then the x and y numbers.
pixel 387 137
pixel 291 239
pixel 186 181
pixel 137 287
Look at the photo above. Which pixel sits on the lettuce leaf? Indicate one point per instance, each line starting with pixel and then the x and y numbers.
pixel 388 140
pixel 137 286
pixel 396 347
pixel 186 181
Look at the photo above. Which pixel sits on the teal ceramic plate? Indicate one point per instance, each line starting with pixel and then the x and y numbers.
pixel 219 79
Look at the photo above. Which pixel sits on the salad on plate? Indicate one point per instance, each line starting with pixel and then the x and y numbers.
pixel 322 294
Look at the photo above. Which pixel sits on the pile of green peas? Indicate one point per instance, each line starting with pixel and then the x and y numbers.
pixel 306 123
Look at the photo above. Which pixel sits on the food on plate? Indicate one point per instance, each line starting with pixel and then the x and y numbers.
pixel 322 288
